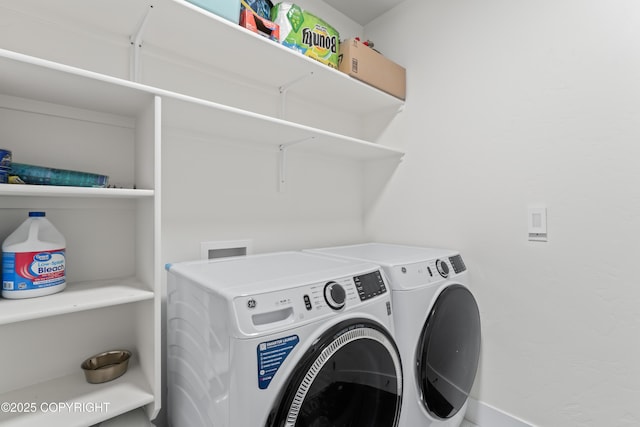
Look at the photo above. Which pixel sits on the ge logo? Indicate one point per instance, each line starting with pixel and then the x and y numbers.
pixel 251 303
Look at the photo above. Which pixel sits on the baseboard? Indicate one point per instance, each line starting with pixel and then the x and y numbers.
pixel 485 415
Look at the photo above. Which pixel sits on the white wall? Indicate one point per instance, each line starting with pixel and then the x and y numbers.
pixel 226 192
pixel 510 104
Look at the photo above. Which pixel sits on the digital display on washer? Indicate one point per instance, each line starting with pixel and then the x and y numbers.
pixel 457 264
pixel 370 285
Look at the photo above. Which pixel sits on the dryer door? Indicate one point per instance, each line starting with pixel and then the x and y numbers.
pixel 448 352
pixel 351 376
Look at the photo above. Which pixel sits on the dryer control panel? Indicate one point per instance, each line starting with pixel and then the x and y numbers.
pixel 417 274
pixel 272 310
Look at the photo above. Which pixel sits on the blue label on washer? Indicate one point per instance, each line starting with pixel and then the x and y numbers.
pixel 271 356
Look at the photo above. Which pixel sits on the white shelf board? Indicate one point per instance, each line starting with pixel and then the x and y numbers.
pixel 217 121
pixel 74 298
pixel 29 77
pixel 225 45
pixel 187 31
pixel 61 191
pixel 34 78
pixel 121 395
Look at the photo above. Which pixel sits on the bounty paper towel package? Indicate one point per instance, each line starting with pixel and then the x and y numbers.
pixel 306 33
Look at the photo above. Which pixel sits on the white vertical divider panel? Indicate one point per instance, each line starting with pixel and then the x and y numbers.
pixel 148 321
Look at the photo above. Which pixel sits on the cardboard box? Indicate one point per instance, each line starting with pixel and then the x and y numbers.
pixel 258 24
pixel 365 64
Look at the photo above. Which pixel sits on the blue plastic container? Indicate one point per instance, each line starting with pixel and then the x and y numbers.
pixel 5 158
pixel 228 9
pixel 40 175
pixel 5 165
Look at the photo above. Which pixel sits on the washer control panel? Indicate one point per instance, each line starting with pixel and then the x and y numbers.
pixel 370 285
pixel 274 309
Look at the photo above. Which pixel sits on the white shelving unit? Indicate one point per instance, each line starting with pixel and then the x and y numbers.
pixel 187 31
pixel 203 42
pixel 65 117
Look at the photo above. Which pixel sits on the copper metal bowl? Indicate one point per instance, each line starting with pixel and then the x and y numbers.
pixel 106 366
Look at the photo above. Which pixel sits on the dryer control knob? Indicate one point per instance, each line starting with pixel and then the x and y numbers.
pixel 334 295
pixel 443 268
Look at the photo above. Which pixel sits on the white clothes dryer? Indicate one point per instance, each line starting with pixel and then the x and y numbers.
pixel 284 339
pixel 437 325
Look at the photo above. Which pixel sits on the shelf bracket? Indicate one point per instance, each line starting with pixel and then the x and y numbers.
pixel 282 161
pixel 285 88
pixel 136 45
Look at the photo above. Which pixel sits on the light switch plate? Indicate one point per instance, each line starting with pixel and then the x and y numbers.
pixel 537 224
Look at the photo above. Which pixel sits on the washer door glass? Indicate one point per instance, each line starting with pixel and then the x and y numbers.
pixel 352 376
pixel 448 352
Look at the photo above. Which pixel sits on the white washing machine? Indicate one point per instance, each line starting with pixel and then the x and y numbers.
pixel 437 326
pixel 283 339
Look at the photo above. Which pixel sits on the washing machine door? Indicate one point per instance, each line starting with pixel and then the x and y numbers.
pixel 448 352
pixel 350 377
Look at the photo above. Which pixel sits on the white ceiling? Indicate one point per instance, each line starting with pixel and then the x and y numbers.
pixel 363 11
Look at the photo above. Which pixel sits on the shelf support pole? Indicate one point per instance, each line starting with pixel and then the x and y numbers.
pixel 285 88
pixel 136 45
pixel 282 161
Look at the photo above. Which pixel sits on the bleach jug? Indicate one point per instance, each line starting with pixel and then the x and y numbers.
pixel 33 259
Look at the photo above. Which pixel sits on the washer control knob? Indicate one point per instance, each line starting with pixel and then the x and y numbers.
pixel 334 295
pixel 443 268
